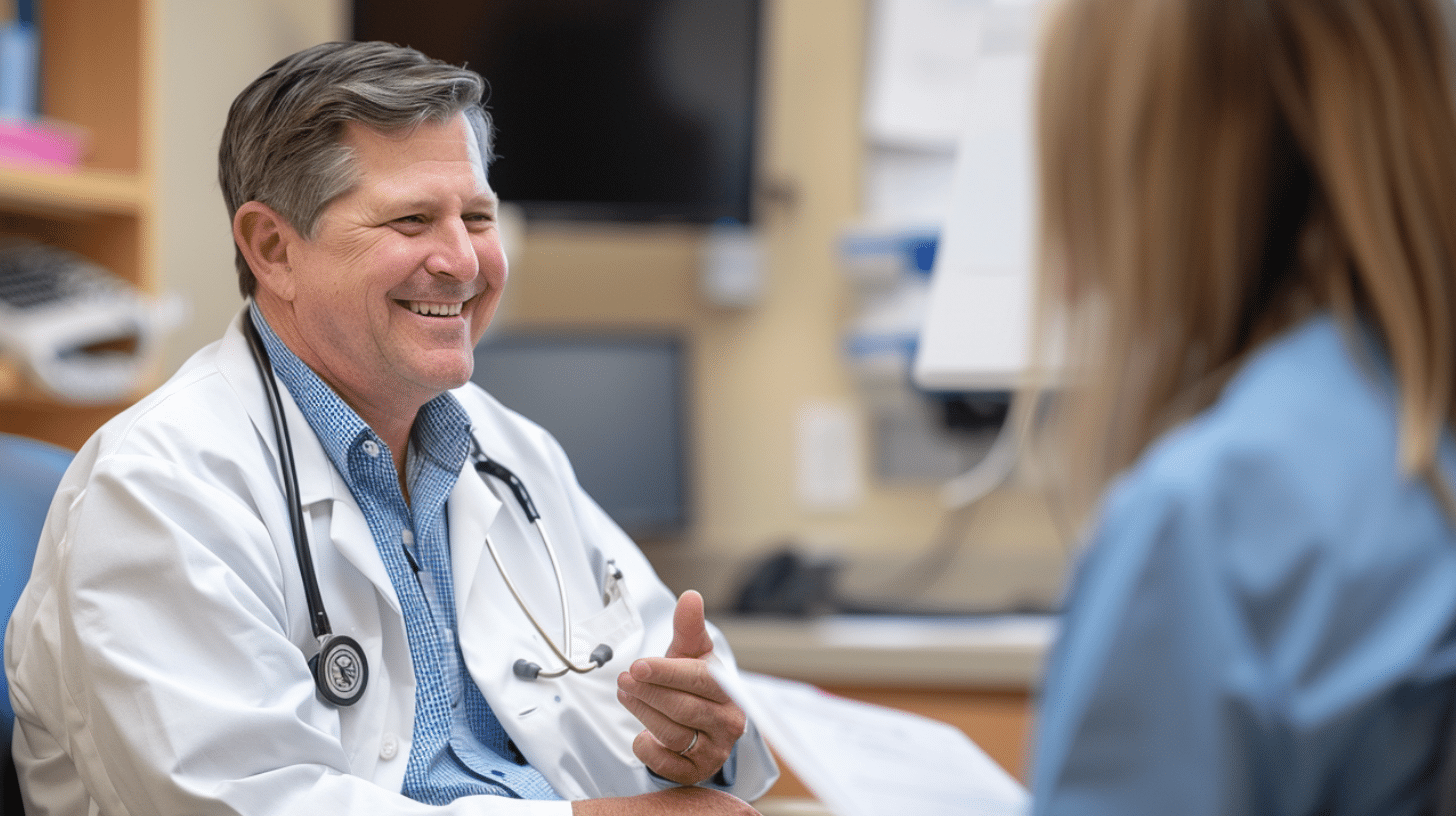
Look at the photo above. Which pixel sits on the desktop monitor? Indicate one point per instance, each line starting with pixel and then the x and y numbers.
pixel 605 110
pixel 617 405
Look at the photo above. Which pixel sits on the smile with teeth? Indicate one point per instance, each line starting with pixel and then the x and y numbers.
pixel 421 307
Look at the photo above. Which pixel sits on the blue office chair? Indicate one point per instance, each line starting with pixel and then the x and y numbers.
pixel 29 473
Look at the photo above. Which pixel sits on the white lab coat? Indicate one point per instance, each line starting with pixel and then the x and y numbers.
pixel 157 659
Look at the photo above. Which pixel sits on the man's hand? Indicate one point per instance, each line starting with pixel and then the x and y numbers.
pixel 670 802
pixel 691 724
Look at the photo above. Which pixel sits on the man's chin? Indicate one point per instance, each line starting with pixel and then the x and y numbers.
pixel 449 378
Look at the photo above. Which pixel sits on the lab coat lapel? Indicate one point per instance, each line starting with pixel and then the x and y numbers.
pixel 241 372
pixel 318 480
pixel 472 510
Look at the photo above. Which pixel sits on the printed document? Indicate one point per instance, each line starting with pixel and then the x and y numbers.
pixel 860 759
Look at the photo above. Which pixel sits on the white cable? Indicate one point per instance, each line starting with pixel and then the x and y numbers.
pixel 991 472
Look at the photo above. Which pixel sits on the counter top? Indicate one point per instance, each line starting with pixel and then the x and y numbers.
pixel 872 650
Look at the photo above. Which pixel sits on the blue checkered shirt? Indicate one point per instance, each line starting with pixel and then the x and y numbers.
pixel 460 748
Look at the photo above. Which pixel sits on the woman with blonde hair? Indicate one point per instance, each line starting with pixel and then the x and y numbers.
pixel 1248 242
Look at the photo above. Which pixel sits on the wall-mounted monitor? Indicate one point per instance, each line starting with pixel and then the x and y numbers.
pixel 605 110
pixel 617 405
pixel 977 330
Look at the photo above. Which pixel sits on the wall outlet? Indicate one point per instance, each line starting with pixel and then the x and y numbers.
pixel 830 464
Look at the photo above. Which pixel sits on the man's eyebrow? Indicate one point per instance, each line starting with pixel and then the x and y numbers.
pixel 429 204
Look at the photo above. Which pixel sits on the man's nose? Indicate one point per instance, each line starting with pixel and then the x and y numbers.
pixel 453 253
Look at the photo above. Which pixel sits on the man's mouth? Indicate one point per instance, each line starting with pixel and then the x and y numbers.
pixel 428 309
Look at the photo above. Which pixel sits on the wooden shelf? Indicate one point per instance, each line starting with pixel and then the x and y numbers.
pixel 71 194
pixel 96 57
pixel 12 380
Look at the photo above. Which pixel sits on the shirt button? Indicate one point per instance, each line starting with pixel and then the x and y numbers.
pixel 389 747
pixel 372 448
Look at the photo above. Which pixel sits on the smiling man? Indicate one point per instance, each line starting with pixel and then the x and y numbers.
pixel 320 572
pixel 387 299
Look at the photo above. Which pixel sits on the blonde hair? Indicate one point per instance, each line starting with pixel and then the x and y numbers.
pixel 1213 171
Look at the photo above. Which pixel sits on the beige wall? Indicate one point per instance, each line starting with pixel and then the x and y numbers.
pixel 206 52
pixel 754 368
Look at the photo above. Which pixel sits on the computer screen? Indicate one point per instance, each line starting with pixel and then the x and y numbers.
pixel 605 110
pixel 617 405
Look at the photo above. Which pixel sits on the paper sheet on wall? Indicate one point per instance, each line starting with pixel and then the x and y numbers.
pixel 935 71
pixel 923 64
pixel 922 58
pixel 867 760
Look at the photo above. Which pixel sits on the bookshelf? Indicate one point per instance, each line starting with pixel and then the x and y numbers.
pixel 96 74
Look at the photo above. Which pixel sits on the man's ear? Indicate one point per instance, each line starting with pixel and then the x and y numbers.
pixel 265 238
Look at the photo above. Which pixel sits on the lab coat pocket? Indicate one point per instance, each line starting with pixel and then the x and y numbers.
pixel 618 625
pixel 597 759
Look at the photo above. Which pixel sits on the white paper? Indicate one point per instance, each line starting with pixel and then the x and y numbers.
pixel 866 760
pixel 990 228
pixel 907 186
pixel 922 59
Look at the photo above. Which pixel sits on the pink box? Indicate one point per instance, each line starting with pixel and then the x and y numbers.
pixel 40 145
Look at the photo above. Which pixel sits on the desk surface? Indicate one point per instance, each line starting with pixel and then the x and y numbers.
pixel 989 652
pixel 790 806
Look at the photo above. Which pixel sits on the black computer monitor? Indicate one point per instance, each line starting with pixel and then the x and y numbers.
pixel 605 110
pixel 617 405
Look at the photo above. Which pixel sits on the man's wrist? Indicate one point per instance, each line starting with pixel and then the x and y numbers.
pixel 722 780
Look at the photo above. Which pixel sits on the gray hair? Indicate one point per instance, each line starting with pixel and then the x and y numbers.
pixel 281 144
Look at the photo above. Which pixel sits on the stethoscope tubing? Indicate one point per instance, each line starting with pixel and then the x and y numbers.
pixel 565 612
pixel 485 464
pixel 318 617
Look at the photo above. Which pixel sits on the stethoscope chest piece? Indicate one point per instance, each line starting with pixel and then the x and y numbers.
pixel 340 671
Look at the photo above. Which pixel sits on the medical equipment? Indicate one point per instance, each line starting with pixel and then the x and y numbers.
pixel 340 669
pixel 85 334
pixel 345 672
pixel 523 668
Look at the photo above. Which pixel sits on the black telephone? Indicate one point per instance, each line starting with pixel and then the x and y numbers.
pixel 789 583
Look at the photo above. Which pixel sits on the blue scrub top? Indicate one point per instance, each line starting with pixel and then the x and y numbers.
pixel 1264 619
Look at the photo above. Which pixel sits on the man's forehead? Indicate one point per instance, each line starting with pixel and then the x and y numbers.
pixel 388 152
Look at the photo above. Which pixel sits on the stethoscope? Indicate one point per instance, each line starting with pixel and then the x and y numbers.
pixel 340 670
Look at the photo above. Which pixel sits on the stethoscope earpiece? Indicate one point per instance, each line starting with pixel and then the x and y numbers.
pixel 340 670
pixel 527 670
pixel 601 654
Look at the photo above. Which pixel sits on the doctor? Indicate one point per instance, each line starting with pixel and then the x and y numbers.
pixel 464 659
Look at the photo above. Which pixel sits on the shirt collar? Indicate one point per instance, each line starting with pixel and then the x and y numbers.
pixel 441 432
